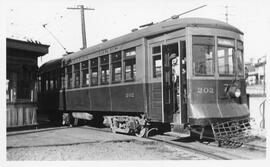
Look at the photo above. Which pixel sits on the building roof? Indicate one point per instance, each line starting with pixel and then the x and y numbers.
pixel 34 47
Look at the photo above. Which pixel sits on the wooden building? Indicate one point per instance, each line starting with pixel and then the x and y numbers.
pixel 21 85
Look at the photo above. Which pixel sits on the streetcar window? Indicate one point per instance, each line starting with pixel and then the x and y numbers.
pixel 116 72
pixel 203 55
pixel 77 75
pixel 157 66
pixel 69 77
pixel 56 81
pixel 43 83
pixel 156 50
pixel 130 64
pixel 47 84
pixel 239 56
pixel 130 69
pixel 52 84
pixel 225 53
pixel 130 52
pixel 39 84
pixel 94 71
pixel 85 73
pixel 105 72
pixel 94 76
pixel 116 67
pixel 63 78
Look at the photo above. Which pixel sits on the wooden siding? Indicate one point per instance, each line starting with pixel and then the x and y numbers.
pixel 21 114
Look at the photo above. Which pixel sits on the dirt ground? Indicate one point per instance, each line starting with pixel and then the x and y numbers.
pixel 85 144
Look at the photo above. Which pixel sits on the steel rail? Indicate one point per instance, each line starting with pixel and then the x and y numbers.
pixel 180 145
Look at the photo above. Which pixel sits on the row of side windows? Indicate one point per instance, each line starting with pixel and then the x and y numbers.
pixel 49 81
pixel 108 67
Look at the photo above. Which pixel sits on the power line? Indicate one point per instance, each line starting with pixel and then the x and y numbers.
pixel 44 25
pixel 177 16
pixel 82 9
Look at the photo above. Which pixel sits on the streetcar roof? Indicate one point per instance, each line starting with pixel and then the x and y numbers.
pixel 50 66
pixel 155 29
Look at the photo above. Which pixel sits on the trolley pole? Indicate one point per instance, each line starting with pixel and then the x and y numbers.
pixel 82 9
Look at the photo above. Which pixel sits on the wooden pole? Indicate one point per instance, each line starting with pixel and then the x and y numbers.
pixel 82 9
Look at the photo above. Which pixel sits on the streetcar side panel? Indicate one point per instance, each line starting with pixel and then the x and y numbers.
pixel 125 96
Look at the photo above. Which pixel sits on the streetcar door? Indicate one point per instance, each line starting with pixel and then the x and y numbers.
pixel 174 82
pixel 182 94
pixel 171 68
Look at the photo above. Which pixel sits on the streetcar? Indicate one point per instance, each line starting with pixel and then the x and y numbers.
pixel 186 73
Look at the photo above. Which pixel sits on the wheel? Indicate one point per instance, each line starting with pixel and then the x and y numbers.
pixel 151 130
pixel 141 133
pixel 112 125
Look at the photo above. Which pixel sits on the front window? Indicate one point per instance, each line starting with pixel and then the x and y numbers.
pixel 225 52
pixel 203 55
pixel 239 56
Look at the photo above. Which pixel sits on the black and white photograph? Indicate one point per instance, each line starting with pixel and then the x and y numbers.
pixel 135 82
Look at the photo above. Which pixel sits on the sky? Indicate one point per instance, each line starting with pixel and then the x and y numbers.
pixel 113 18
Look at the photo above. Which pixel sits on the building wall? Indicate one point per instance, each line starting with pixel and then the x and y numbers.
pixel 21 82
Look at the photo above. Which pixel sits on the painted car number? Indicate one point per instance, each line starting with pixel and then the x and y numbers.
pixel 205 90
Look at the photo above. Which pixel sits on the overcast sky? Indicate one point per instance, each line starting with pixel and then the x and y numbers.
pixel 113 18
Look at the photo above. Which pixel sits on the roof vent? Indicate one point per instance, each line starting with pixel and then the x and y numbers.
pixel 104 40
pixel 134 29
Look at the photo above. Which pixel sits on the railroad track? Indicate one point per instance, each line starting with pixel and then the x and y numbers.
pixel 206 152
pixel 35 130
pixel 210 150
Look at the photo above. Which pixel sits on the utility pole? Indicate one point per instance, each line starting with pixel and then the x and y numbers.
pixel 227 13
pixel 82 8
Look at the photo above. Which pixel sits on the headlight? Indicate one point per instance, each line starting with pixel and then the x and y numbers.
pixel 237 93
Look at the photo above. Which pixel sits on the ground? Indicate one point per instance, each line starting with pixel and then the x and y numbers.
pixel 86 144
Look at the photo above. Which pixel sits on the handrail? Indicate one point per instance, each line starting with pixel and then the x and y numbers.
pixel 262 112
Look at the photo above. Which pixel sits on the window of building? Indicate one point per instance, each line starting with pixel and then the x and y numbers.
pixel 157 63
pixel 116 67
pixel 203 55
pixel 225 53
pixel 85 73
pixel 69 77
pixel 239 55
pixel 77 75
pixel 130 64
pixel 94 71
pixel 105 72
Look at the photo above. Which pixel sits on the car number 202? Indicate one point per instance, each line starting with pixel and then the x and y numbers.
pixel 205 90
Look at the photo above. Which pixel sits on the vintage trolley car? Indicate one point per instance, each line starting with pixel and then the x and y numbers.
pixel 187 71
